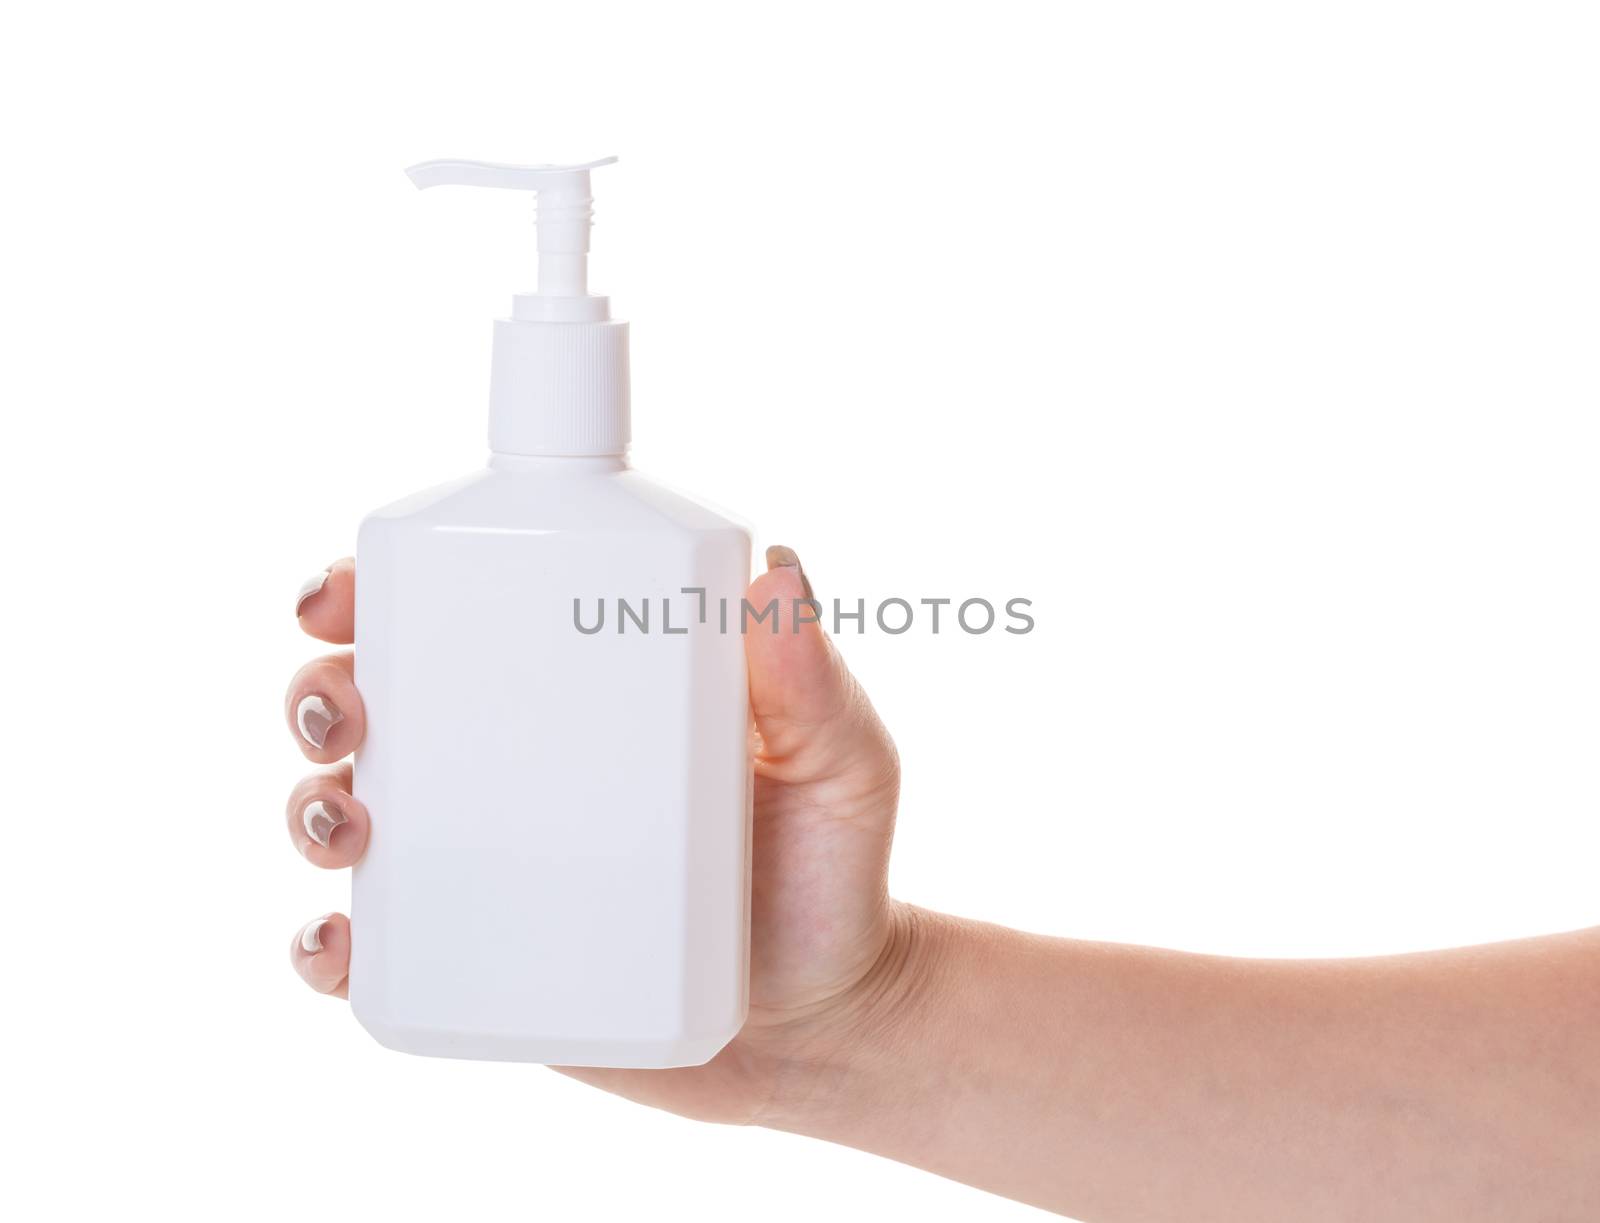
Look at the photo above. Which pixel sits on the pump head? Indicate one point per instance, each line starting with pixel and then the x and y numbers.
pixel 559 380
pixel 564 212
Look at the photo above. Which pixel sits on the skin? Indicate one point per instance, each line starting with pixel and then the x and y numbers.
pixel 1111 1083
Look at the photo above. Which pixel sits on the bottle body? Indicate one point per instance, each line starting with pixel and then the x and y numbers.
pixel 559 785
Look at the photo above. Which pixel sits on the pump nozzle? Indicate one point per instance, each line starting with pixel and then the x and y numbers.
pixel 559 381
pixel 564 214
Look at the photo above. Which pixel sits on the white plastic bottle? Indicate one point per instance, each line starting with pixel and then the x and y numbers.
pixel 559 863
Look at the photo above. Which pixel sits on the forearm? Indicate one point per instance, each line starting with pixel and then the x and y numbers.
pixel 1119 1083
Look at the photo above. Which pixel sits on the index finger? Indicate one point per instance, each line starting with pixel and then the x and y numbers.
pixel 326 606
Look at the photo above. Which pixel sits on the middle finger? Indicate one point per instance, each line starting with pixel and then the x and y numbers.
pixel 324 709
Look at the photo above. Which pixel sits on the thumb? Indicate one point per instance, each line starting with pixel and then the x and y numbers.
pixel 815 723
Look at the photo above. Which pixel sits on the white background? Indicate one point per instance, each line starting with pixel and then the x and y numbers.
pixel 1254 343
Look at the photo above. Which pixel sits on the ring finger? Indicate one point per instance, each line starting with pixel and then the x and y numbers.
pixel 326 822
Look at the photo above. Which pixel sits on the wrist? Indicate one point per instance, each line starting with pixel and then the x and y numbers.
pixel 856 1062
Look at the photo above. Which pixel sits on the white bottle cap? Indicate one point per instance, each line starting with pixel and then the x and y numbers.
pixel 559 382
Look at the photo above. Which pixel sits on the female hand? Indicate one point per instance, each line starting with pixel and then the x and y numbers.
pixel 827 943
pixel 1107 1082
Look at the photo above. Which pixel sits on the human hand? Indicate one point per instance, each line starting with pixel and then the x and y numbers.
pixel 827 943
pixel 1098 1080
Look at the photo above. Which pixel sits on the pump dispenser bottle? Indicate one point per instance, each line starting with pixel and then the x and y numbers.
pixel 558 868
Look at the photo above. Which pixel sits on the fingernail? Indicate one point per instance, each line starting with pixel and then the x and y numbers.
pixel 311 936
pixel 312 586
pixel 320 820
pixel 316 716
pixel 778 555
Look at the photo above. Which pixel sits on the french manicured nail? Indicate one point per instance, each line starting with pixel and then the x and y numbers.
pixel 780 556
pixel 311 936
pixel 320 819
pixel 312 586
pixel 316 716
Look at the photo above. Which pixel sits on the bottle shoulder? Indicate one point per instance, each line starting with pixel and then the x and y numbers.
pixel 677 507
pixel 420 504
pixel 493 499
